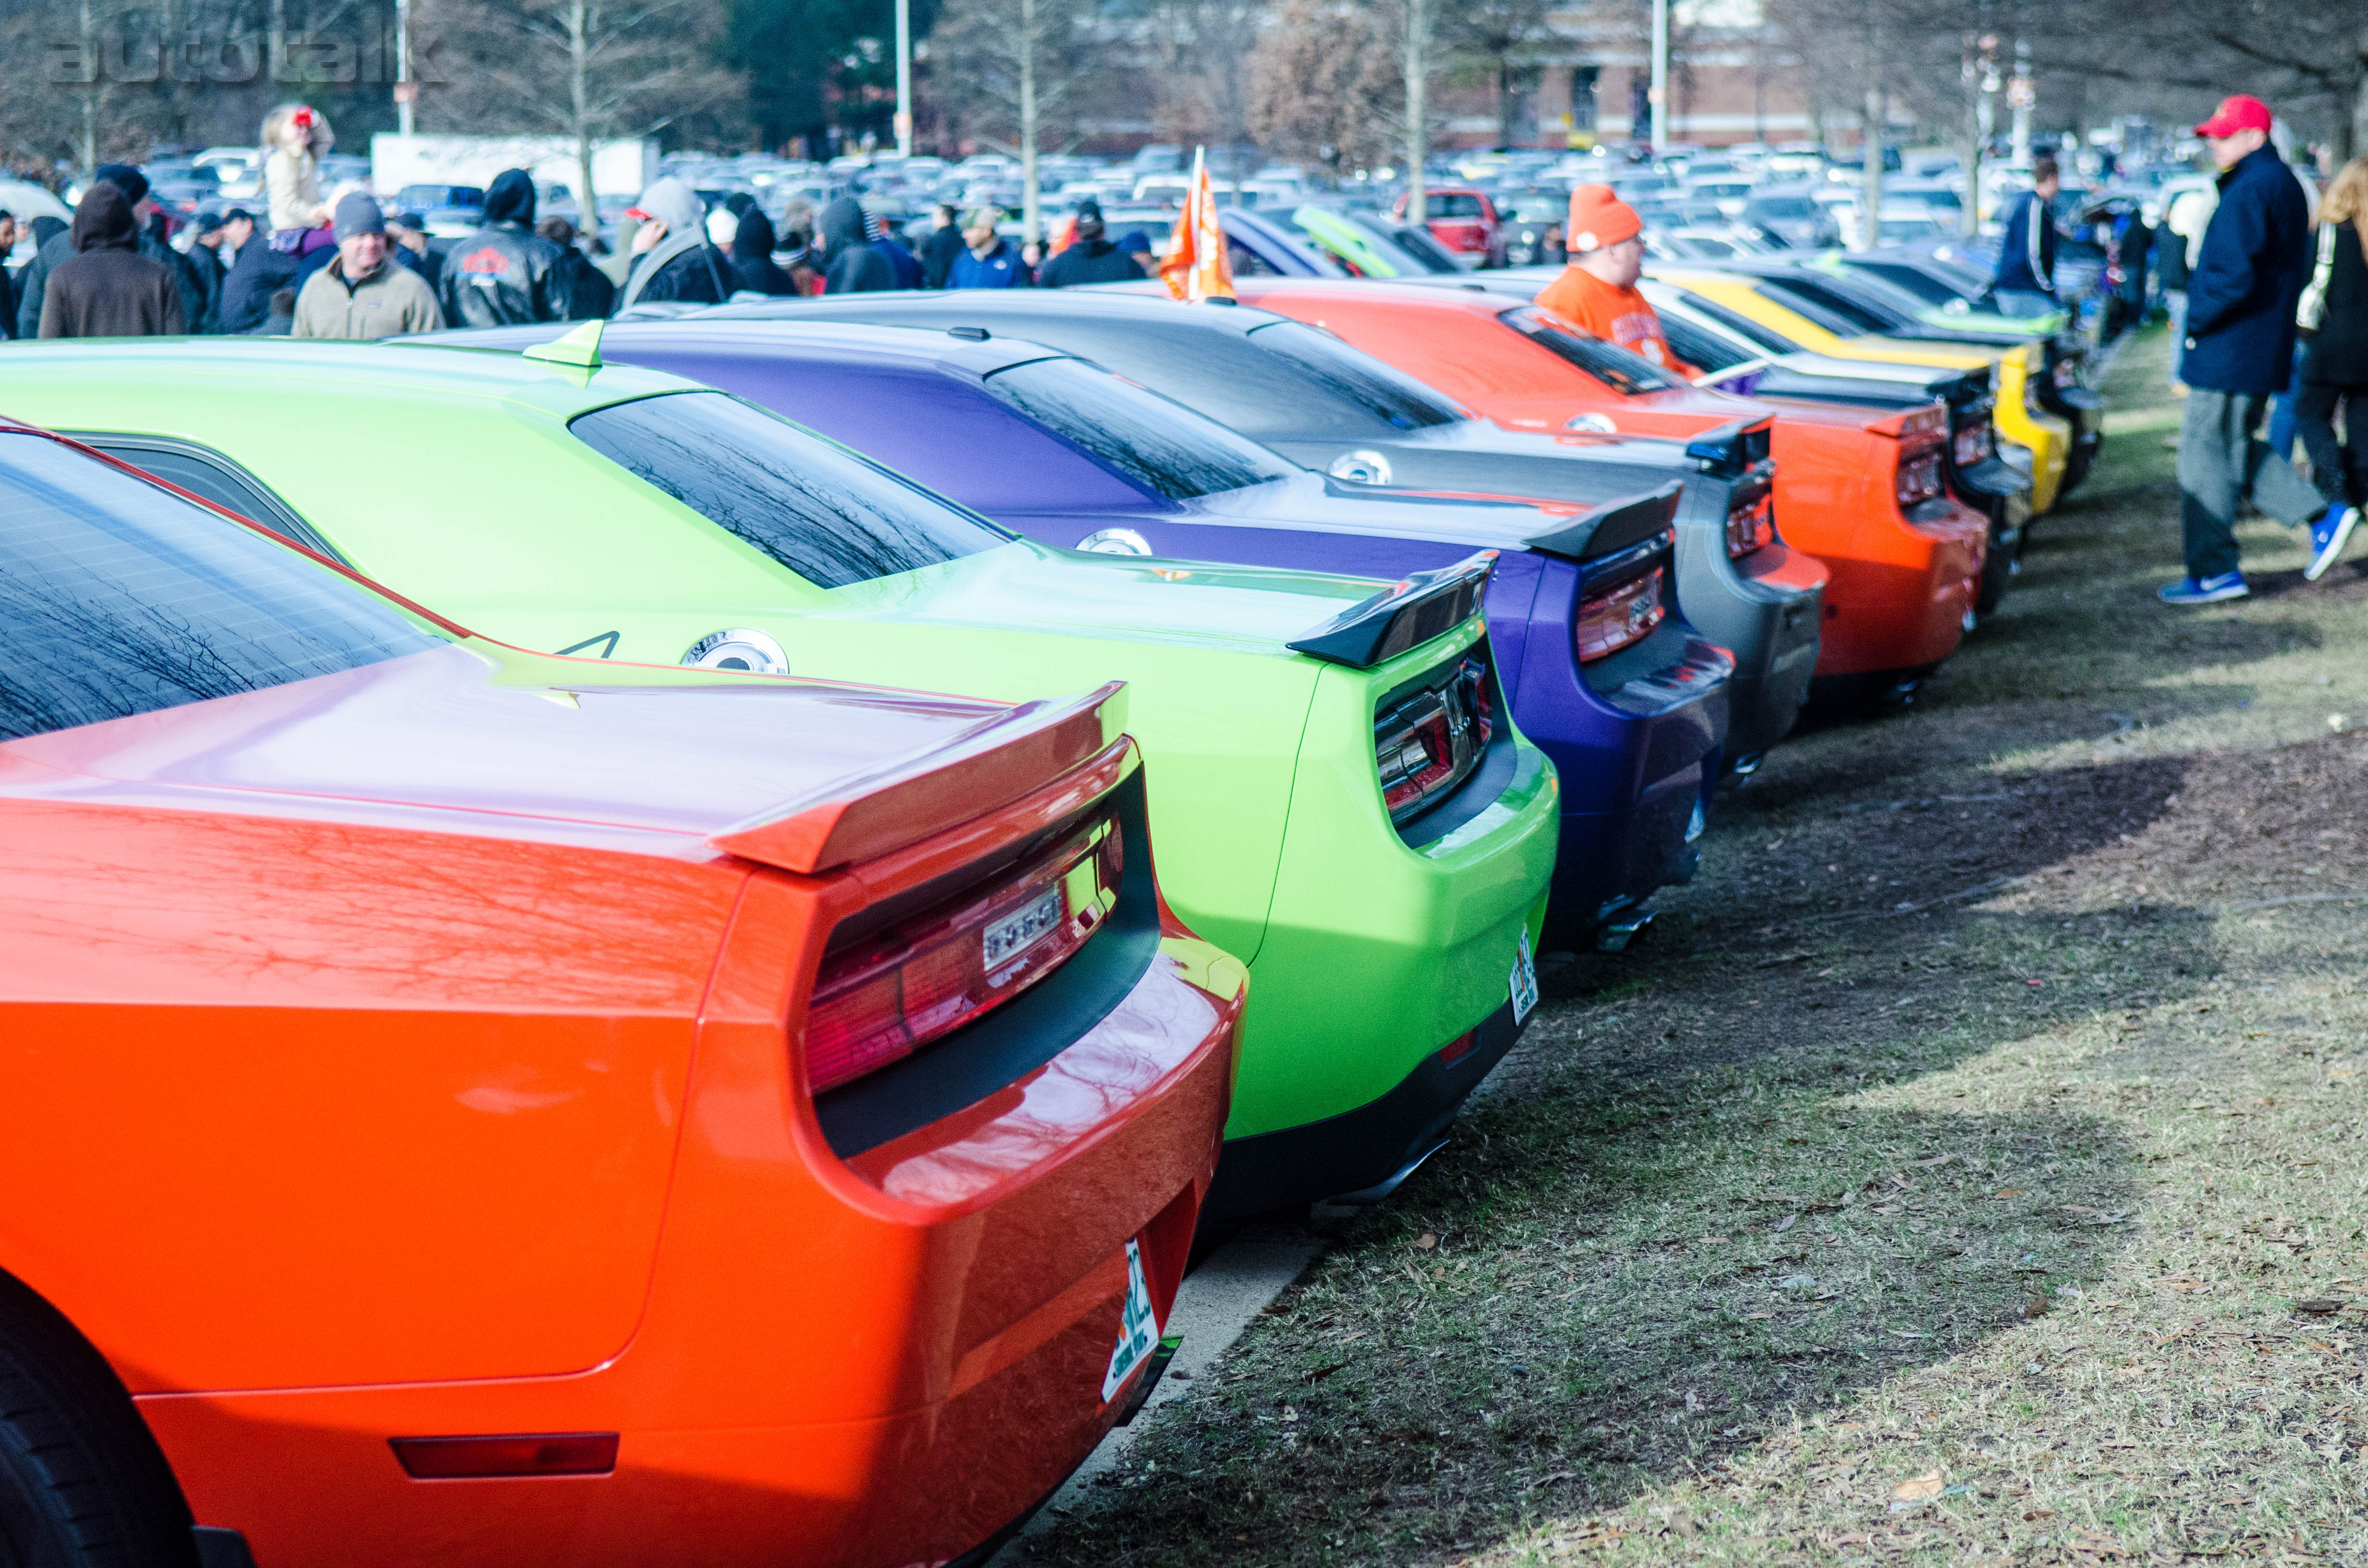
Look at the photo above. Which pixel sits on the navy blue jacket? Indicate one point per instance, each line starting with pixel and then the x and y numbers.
pixel 2027 255
pixel 2240 298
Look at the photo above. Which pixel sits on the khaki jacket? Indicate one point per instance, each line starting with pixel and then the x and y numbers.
pixel 390 302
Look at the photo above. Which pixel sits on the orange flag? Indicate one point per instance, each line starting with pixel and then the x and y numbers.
pixel 1196 266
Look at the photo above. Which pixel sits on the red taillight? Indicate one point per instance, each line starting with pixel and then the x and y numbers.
pixel 1974 440
pixel 1918 476
pixel 887 996
pixel 1431 740
pixel 1750 524
pixel 1621 615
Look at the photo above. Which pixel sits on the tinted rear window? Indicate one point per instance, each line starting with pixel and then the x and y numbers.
pixel 1701 347
pixel 827 515
pixel 118 598
pixel 1451 207
pixel 1166 448
pixel 1625 372
pixel 1352 375
pixel 1823 306
pixel 1743 326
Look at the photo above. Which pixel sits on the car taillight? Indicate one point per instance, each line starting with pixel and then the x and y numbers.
pixel 1750 524
pixel 888 994
pixel 1974 440
pixel 1427 741
pixel 1621 615
pixel 1918 476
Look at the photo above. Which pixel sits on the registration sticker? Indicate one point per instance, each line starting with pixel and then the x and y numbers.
pixel 1525 979
pixel 1006 939
pixel 1138 1326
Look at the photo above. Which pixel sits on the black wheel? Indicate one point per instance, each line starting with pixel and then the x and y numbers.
pixel 82 1481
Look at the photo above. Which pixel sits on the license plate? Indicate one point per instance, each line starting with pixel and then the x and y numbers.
pixel 1525 978
pixel 1138 1326
pixel 1007 938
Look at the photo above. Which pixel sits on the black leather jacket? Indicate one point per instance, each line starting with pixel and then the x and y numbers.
pixel 500 275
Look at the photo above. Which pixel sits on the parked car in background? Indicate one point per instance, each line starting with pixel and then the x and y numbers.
pixel 601 508
pixel 1860 489
pixel 490 1108
pixel 450 212
pixel 1462 220
pixel 1629 704
pixel 1788 211
pixel 1529 231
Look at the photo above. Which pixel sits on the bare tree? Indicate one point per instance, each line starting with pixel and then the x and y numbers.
pixel 1209 47
pixel 1018 73
pixel 1496 35
pixel 1325 85
pixel 586 69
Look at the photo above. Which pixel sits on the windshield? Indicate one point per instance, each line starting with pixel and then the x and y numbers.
pixel 1166 448
pixel 1627 373
pixel 1349 376
pixel 118 598
pixel 827 515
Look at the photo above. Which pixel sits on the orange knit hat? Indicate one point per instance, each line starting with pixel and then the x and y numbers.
pixel 1599 218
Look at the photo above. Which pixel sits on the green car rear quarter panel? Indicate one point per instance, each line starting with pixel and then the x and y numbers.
pixel 451 477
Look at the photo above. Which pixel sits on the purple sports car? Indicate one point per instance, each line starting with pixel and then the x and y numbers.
pixel 1602 673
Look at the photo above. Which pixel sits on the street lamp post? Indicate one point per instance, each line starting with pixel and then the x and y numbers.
pixel 1660 99
pixel 403 91
pixel 904 78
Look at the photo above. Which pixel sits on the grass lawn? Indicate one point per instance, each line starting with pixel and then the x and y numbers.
pixel 1970 1166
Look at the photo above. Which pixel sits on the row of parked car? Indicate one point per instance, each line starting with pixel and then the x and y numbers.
pixel 506 1075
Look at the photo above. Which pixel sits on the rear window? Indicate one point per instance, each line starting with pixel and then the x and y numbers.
pixel 1700 345
pixel 1166 448
pixel 1821 305
pixel 1625 372
pixel 1350 376
pixel 1451 207
pixel 1743 326
pixel 827 515
pixel 118 598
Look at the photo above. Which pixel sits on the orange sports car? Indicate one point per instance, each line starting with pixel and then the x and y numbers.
pixel 468 1106
pixel 1858 488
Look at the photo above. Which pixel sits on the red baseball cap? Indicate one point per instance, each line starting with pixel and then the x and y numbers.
pixel 2240 112
pixel 1599 218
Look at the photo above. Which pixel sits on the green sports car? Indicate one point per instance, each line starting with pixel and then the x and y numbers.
pixel 1338 796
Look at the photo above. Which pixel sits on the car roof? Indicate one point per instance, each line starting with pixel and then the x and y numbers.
pixel 1095 303
pixel 860 341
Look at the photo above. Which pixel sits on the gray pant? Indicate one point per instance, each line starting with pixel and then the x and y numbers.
pixel 2222 461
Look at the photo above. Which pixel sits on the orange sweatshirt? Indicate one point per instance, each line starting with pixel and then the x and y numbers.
pixel 1615 315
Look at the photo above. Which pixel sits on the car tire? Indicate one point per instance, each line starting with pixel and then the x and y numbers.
pixel 82 1481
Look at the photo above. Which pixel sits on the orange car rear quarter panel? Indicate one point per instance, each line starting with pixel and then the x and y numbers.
pixel 378 1105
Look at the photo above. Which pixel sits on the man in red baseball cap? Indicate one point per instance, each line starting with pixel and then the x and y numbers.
pixel 2239 354
pixel 1597 289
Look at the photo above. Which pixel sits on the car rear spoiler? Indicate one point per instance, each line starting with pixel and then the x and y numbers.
pixel 1615 525
pixel 1732 449
pixel 1406 615
pixel 907 799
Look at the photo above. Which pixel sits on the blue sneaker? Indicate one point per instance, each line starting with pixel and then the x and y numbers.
pixel 2327 538
pixel 2209 591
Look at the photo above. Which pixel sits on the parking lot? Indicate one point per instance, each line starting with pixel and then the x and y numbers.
pixel 1967 1165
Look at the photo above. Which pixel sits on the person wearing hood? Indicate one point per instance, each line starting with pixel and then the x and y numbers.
pixel 752 259
pixel 890 244
pixel 854 266
pixel 500 275
pixel 988 260
pixel 132 185
pixel 107 288
pixel 259 272
pixel 1090 258
pixel 944 242
pixel 581 291
pixel 672 256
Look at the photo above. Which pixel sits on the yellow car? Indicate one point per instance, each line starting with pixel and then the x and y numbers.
pixel 2018 415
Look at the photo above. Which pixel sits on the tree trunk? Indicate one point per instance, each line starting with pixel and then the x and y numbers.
pixel 579 88
pixel 1870 201
pixel 1031 194
pixel 90 93
pixel 1417 141
pixel 1505 100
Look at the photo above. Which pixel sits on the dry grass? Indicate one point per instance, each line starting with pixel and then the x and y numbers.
pixel 1971 1168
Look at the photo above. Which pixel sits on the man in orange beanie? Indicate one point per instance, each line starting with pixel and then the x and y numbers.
pixel 1597 289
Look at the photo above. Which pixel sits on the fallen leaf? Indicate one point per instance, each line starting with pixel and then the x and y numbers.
pixel 1926 1485
pixel 2039 1514
pixel 2035 1308
pixel 1425 1241
pixel 1936 1160
pixel 2319 1306
pixel 1786 1224
pixel 2189 1284
pixel 2010 1192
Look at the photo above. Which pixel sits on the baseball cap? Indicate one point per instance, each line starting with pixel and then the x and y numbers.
pixel 2240 112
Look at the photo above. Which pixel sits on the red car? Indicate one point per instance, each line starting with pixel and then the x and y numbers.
pixel 468 1106
pixel 1465 222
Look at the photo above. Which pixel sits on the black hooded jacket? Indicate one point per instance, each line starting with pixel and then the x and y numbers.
pixel 1088 261
pixel 855 266
pixel 33 278
pixel 753 267
pixel 107 288
pixel 501 276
